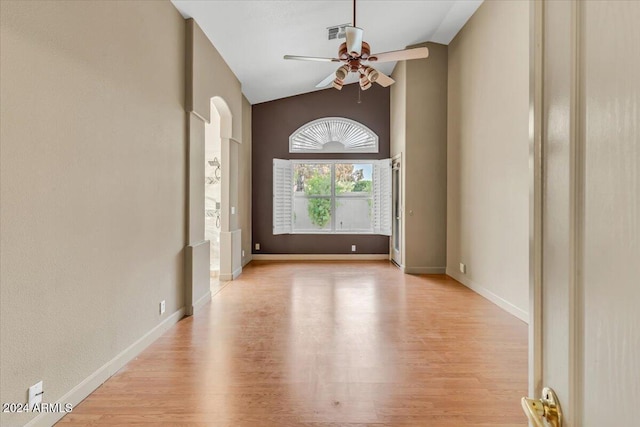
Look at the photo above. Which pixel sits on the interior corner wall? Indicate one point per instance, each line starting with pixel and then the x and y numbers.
pixel 419 136
pixel 208 76
pixel 92 189
pixel 398 107
pixel 244 183
pixel 488 149
pixel 425 163
pixel 272 124
pixel 398 133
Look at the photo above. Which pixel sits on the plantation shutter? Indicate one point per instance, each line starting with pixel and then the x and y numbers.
pixel 382 197
pixel 282 196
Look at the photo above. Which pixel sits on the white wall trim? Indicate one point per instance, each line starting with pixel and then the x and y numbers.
pixel 202 301
pixel 497 300
pixel 320 257
pixel 198 115
pixel 247 260
pixel 232 276
pixel 96 379
pixel 423 270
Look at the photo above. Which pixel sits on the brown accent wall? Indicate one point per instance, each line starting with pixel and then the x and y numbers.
pixel 272 124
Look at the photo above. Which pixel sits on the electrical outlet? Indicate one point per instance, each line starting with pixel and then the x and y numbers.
pixel 35 394
pixel 243 253
pixel 353 248
pixel 463 268
pixel 233 210
pixel 257 246
pixel 162 306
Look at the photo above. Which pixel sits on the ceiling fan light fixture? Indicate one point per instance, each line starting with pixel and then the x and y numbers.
pixel 364 82
pixel 371 73
pixel 354 52
pixel 342 72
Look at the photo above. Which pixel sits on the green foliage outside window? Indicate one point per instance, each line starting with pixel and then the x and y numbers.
pixel 316 181
pixel 319 209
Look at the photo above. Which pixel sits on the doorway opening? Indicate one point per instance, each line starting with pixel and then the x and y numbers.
pixel 213 190
pixel 396 231
pixel 216 130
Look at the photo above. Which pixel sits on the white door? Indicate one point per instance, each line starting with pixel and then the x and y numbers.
pixel 585 327
pixel 396 232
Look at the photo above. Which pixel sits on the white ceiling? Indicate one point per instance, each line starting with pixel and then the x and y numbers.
pixel 253 36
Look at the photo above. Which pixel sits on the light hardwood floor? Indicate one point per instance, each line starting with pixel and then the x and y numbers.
pixel 326 344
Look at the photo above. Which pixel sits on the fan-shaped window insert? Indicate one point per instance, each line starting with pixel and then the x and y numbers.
pixel 333 135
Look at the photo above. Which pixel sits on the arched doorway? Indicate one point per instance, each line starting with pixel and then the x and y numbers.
pixel 217 130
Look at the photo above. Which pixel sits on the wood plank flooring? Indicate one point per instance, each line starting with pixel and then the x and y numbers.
pixel 326 344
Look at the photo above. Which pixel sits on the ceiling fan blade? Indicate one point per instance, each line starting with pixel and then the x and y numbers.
pixel 311 58
pixel 384 80
pixel 400 55
pixel 327 81
pixel 354 40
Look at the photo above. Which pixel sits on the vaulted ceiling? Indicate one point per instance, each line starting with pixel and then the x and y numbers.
pixel 253 36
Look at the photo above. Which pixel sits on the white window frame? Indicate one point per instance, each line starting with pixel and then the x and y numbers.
pixel 284 197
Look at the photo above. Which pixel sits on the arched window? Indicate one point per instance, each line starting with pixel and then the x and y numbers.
pixel 333 135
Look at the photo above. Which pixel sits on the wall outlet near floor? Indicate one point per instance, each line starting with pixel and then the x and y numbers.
pixel 243 253
pixel 353 248
pixel 35 394
pixel 257 246
pixel 463 268
pixel 162 306
pixel 233 210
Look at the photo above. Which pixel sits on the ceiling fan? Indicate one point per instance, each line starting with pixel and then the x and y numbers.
pixel 354 53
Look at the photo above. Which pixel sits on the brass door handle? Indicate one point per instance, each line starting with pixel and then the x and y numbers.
pixel 545 409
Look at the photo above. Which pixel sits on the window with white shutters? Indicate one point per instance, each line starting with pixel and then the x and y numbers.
pixel 332 196
pixel 282 196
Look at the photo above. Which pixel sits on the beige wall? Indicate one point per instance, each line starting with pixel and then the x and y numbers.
pixel 425 202
pixel 209 76
pixel 488 191
pixel 419 133
pixel 398 134
pixel 92 186
pixel 244 181
pixel 398 125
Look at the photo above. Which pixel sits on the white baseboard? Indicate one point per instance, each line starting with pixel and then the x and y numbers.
pixel 497 300
pixel 204 299
pixel 423 270
pixel 320 257
pixel 232 276
pixel 95 380
pixel 247 260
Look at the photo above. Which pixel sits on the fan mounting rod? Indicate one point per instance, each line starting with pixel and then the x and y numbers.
pixel 354 13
